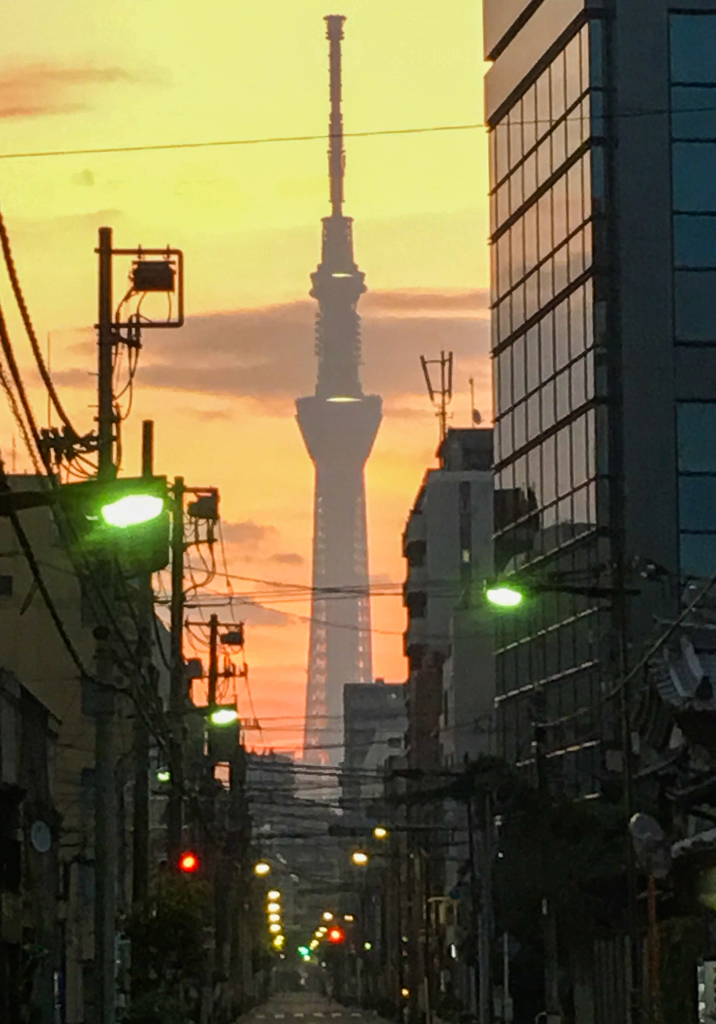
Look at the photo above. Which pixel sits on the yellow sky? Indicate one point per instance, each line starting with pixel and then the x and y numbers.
pixel 86 74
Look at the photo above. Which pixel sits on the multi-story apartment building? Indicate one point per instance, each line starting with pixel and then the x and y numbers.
pixel 447 544
pixel 603 231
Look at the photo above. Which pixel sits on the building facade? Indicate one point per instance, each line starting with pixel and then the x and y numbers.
pixel 31 929
pixel 374 727
pixel 602 142
pixel 448 641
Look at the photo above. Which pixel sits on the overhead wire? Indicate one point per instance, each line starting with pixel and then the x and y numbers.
pixel 324 136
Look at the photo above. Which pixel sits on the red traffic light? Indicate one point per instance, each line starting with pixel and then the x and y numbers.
pixel 188 863
pixel 336 935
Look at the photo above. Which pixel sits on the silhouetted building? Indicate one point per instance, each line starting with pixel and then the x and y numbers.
pixel 31 934
pixel 374 723
pixel 603 195
pixel 339 424
pixel 448 641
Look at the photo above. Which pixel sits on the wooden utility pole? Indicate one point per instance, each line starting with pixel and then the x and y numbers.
pixel 140 835
pixel 486 930
pixel 105 845
pixel 549 919
pixel 177 696
pixel 213 658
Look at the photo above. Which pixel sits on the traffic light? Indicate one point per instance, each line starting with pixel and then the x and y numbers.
pixel 336 935
pixel 126 520
pixel 189 863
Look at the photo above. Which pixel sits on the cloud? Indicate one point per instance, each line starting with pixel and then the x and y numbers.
pixel 255 614
pixel 209 415
pixel 413 300
pixel 39 89
pixel 247 533
pixel 266 355
pixel 287 558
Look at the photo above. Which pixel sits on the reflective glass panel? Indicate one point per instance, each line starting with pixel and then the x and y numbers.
pixel 695 303
pixel 697 502
pixel 696 432
pixel 693 48
pixel 694 166
pixel 694 241
pixel 693 113
pixel 698 554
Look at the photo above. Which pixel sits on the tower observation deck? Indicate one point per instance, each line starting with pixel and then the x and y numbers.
pixel 339 424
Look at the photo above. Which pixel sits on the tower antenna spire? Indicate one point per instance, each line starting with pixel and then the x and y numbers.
pixel 336 152
pixel 339 423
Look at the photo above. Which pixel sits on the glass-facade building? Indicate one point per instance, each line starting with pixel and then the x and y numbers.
pixel 602 122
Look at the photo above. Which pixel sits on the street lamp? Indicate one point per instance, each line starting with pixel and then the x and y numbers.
pixel 273 908
pixel 504 596
pixel 132 509
pixel 274 894
pixel 360 858
pixel 262 868
pixel 274 917
pixel 508 595
pixel 226 715
pixel 274 928
pixel 327 915
pixel 380 832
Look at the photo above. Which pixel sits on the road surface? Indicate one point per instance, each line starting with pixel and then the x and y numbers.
pixel 307 1008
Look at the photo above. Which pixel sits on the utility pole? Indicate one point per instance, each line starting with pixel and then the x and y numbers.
pixel 105 852
pixel 474 909
pixel 213 659
pixel 549 920
pixel 177 697
pixel 140 834
pixel 486 929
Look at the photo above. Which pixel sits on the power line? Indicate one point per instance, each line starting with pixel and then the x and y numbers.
pixel 156 147
pixel 218 143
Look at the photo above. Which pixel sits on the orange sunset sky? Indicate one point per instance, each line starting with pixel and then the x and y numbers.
pixel 87 74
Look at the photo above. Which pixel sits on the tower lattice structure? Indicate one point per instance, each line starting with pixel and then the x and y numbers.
pixel 339 424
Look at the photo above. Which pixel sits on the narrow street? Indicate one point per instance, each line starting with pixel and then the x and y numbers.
pixel 306 1007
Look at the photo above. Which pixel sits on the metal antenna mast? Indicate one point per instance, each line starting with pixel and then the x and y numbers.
pixel 440 395
pixel 339 424
pixel 336 152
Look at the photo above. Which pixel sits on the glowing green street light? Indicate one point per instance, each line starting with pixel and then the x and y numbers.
pixel 503 595
pixel 132 510
pixel 164 775
pixel 223 716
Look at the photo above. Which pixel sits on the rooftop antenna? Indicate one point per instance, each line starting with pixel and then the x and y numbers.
pixel 441 395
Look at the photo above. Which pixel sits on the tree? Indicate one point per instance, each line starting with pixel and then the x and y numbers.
pixel 167 952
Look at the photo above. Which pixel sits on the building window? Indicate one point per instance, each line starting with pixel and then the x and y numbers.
pixel 5 586
pixel 695 241
pixel 696 429
pixel 693 48
pixel 693 131
pixel 695 309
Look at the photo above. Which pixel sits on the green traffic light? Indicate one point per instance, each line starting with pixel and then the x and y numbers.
pixel 304 951
pixel 132 509
pixel 504 596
